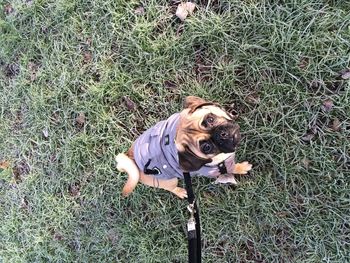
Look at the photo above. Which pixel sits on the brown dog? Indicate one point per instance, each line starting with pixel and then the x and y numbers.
pixel 201 139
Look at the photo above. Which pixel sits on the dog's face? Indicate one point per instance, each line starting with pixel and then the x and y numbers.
pixel 205 131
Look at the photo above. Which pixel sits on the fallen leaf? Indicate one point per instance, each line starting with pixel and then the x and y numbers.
pixel 253 99
pixel 8 9
pixel 87 57
pixel 345 74
pixel 306 162
pixel 282 214
pixel 74 190
pixel 55 117
pixel 185 9
pixel 57 236
pixel 308 136
pixel 29 2
pixel 327 105
pixel 20 169
pixel 169 84
pixel 46 133
pixel 129 103
pixel 336 125
pixel 303 63
pixel 80 119
pixel 140 11
pixel 4 164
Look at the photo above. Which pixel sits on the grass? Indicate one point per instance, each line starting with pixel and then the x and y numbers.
pixel 65 67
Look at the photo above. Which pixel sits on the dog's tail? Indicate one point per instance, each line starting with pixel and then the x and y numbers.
pixel 125 164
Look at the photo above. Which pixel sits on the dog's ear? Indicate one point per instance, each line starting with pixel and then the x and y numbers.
pixel 189 162
pixel 193 103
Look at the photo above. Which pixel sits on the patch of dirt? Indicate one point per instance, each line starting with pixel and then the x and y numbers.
pixel 20 170
pixel 140 10
pixel 252 254
pixel 87 57
pixel 33 70
pixel 129 103
pixel 8 9
pixel 328 87
pixel 169 84
pixel 96 76
pixel 80 120
pixel 74 190
pixel 11 70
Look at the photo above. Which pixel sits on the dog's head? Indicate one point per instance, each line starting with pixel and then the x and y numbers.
pixel 205 131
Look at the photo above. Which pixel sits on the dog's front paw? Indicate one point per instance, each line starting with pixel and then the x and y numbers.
pixel 180 192
pixel 242 168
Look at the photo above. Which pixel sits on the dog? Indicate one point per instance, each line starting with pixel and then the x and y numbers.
pixel 201 140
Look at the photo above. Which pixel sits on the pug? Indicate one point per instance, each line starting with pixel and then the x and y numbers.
pixel 201 140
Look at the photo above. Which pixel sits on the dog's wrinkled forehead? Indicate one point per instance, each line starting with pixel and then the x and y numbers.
pixel 195 108
pixel 213 109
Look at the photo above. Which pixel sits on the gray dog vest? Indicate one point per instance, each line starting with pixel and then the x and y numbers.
pixel 155 153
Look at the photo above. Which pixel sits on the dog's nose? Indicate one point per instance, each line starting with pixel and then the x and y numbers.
pixel 227 137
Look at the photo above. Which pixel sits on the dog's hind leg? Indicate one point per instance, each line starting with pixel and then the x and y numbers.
pixel 169 185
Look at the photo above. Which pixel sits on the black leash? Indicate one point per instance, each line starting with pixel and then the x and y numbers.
pixel 193 225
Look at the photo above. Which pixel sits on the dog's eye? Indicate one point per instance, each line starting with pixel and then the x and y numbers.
pixel 209 121
pixel 206 147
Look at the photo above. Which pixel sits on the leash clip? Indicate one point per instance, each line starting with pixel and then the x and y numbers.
pixel 191 224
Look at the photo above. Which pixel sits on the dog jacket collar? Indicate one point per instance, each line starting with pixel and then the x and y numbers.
pixel 155 153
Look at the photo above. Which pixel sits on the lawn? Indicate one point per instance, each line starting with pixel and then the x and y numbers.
pixel 80 80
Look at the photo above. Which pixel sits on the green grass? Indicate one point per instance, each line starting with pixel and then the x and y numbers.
pixel 278 63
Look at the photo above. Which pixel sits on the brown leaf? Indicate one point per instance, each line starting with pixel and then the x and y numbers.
pixel 57 236
pixel 308 137
pixel 8 9
pixel 20 169
pixel 140 11
pixel 336 125
pixel 55 117
pixel 131 105
pixel 74 190
pixel 327 105
pixel 169 84
pixel 306 162
pixel 80 119
pixel 4 164
pixel 282 213
pixel 185 9
pixel 87 57
pixel 303 63
pixel 253 99
pixel 345 74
